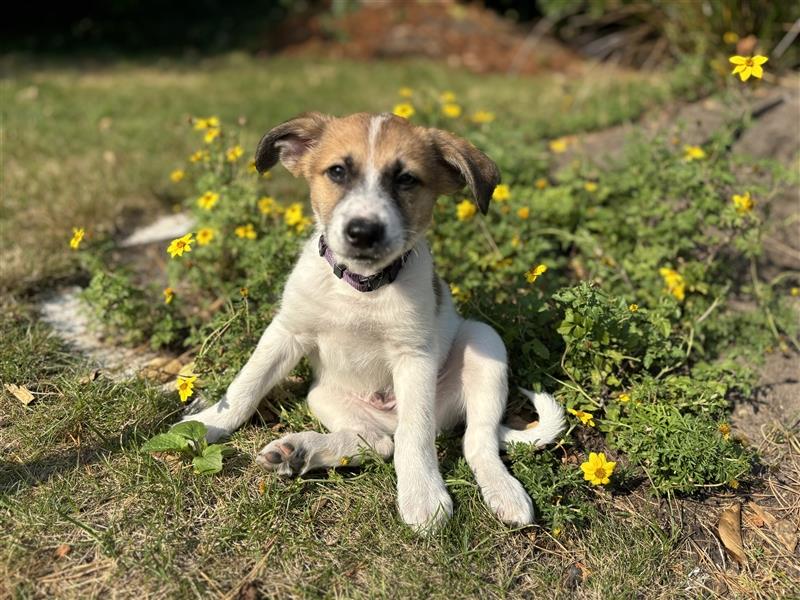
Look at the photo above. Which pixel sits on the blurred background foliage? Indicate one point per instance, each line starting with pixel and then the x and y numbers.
pixel 636 33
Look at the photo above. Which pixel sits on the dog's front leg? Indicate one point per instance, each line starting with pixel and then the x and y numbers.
pixel 422 498
pixel 277 352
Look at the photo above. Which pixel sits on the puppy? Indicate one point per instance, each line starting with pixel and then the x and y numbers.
pixel 393 361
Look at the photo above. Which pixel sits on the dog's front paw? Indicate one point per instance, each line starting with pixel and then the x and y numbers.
pixel 425 508
pixel 509 501
pixel 286 456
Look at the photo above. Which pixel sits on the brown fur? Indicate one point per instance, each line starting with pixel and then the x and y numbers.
pixel 444 163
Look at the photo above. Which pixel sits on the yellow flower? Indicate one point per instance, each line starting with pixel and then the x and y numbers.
pixel 185 386
pixel 211 135
pixel 725 430
pixel 244 292
pixel 729 37
pixel 200 155
pixel 344 461
pixel 169 294
pixel 245 231
pixel 294 216
pixel 557 532
pixel 734 483
pixel 624 398
pixel 405 92
pixel 177 175
pixel 204 236
pixel 446 97
pixel 465 210
pixel 597 469
pixel 747 66
pixel 267 205
pixel 501 193
pixel 586 418
pixel 633 307
pixel 234 153
pixel 524 212
pixel 533 274
pixel 558 145
pixel 676 285
pixel 540 183
pixel 744 203
pixel 207 123
pixel 208 200
pixel 77 237
pixel 693 153
pixel 794 291
pixel 451 110
pixel 251 167
pixel 482 116
pixel 590 186
pixel 404 110
pixel 180 245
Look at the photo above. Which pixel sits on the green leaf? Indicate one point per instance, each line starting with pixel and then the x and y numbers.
pixel 166 442
pixel 540 349
pixel 191 430
pixel 210 461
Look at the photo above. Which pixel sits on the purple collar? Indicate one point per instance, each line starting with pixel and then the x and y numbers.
pixel 362 283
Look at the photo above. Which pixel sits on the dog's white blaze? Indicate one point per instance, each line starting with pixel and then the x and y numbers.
pixel 369 201
pixel 375 126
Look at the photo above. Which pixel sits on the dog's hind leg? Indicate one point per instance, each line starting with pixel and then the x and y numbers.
pixel 475 381
pixel 353 425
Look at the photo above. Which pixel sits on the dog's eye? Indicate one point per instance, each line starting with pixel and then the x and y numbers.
pixel 406 180
pixel 337 173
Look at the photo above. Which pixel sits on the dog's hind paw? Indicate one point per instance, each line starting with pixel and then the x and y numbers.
pixel 509 501
pixel 285 456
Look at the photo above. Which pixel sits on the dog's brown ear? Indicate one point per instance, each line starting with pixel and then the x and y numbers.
pixel 467 166
pixel 289 141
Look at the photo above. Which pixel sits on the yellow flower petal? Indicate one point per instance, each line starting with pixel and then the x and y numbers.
pixel 738 60
pixel 759 60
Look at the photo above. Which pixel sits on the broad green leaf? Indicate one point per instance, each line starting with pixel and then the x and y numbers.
pixel 210 461
pixel 191 430
pixel 166 442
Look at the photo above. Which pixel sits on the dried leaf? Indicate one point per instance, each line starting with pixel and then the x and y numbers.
pixel 787 534
pixel 763 515
pixel 62 550
pixel 21 393
pixel 89 377
pixel 784 530
pixel 730 532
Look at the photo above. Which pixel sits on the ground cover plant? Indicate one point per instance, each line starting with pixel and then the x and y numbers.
pixel 620 290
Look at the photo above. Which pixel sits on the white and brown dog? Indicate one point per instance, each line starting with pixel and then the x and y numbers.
pixel 393 361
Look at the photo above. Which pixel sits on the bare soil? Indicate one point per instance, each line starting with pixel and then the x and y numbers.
pixel 461 35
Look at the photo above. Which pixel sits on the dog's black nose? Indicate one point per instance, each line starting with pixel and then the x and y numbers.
pixel 362 233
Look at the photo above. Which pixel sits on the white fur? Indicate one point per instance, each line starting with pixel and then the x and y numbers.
pixel 441 368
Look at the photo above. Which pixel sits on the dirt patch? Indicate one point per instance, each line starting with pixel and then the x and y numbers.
pixel 468 36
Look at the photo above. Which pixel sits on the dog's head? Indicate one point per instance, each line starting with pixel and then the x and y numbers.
pixel 374 179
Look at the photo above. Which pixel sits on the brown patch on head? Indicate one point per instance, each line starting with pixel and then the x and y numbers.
pixel 412 164
pixel 344 142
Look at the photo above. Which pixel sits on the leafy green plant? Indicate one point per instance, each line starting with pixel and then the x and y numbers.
pixel 188 439
pixel 612 290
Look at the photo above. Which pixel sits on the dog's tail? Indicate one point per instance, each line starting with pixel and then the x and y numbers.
pixel 551 423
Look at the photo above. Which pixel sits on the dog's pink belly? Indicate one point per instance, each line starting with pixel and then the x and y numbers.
pixel 383 401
